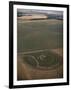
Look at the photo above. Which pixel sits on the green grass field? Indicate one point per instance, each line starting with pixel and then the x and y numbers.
pixel 39 34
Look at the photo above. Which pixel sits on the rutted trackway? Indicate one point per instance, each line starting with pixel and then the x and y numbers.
pixel 36 51
pixel 57 51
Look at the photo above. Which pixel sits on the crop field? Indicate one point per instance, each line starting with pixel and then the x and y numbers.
pixel 39 49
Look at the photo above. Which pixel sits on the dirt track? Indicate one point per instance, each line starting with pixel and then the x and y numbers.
pixel 46 74
pixel 57 51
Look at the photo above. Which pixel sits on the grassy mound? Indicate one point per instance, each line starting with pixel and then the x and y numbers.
pixel 43 59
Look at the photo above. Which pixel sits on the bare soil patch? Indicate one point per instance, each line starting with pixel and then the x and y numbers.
pixel 22 70
pixel 58 51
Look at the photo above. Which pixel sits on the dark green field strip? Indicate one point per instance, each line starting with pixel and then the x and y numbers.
pixel 39 35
